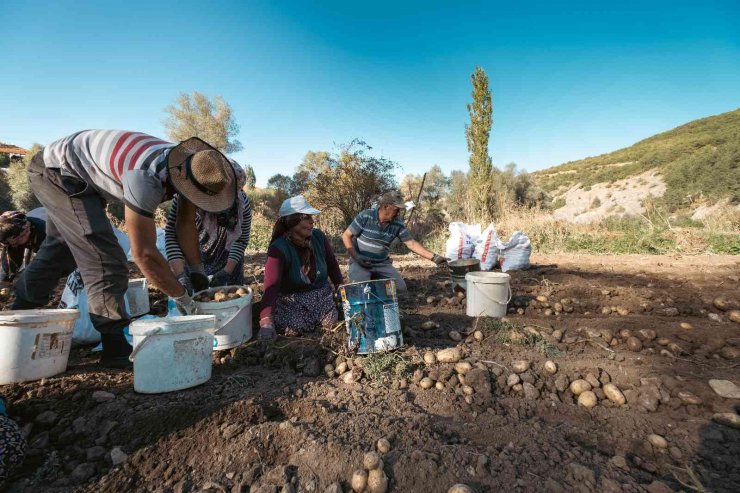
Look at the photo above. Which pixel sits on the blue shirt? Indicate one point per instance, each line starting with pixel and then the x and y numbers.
pixel 371 239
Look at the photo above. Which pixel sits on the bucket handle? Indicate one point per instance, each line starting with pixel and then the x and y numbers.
pixel 496 301
pixel 147 337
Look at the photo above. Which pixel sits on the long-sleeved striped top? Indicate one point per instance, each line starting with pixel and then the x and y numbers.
pixel 218 243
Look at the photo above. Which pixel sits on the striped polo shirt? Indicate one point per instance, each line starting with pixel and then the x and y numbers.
pixel 371 239
pixel 130 167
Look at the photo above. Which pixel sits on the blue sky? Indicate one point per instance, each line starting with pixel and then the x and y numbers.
pixel 569 79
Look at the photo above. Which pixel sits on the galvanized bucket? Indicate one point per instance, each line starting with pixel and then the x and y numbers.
pixel 371 315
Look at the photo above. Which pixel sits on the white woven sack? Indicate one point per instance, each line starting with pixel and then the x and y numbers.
pixel 459 245
pixel 515 253
pixel 487 248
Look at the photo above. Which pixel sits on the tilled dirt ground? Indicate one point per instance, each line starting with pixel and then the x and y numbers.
pixel 271 420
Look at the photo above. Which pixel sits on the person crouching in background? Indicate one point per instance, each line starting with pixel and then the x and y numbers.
pixel 300 262
pixel 20 237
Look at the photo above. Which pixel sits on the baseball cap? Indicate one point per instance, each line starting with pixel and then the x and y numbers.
pixel 297 205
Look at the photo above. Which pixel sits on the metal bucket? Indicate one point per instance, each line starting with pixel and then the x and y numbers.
pixel 458 270
pixel 371 315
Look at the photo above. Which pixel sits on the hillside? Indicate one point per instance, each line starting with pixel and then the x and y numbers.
pixel 693 164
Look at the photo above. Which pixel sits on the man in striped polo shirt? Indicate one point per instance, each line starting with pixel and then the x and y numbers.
pixel 368 241
pixel 76 176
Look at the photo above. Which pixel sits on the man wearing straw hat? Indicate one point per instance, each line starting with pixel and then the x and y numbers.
pixel 76 176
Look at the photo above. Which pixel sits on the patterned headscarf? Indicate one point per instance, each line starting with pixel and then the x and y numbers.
pixel 230 220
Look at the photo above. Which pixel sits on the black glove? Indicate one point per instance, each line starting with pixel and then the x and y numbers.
pixel 184 281
pixel 439 260
pixel 220 278
pixel 198 281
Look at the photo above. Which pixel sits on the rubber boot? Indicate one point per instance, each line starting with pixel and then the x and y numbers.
pixel 116 351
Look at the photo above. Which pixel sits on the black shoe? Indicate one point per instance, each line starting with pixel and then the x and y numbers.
pixel 116 351
pixel 116 362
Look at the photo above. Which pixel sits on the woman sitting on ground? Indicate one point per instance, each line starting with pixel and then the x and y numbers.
pixel 300 261
pixel 223 237
pixel 12 444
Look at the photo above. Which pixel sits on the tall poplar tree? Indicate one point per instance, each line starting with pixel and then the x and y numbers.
pixel 480 188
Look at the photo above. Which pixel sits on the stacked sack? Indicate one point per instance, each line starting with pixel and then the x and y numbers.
pixel 466 241
pixel 514 255
pixel 487 248
pixel 461 243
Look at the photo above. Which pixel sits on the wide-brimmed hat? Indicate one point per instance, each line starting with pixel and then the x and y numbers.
pixel 297 205
pixel 202 175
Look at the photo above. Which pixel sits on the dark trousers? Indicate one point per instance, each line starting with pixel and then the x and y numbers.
pixel 78 234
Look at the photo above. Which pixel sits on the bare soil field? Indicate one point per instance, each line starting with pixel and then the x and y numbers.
pixel 275 418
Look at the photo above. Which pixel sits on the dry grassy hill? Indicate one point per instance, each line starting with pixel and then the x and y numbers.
pixel 687 168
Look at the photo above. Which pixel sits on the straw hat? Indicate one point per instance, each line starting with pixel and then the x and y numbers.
pixel 202 175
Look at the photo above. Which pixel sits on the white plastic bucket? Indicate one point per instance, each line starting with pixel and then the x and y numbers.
pixel 233 318
pixel 137 297
pixel 488 294
pixel 34 344
pixel 172 353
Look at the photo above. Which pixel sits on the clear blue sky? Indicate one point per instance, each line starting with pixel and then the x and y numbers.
pixel 569 79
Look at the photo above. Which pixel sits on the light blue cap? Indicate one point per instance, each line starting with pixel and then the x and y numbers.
pixel 297 205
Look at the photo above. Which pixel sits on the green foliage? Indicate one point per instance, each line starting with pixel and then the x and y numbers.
pixel 17 178
pixel 266 202
pixel 383 368
pixel 282 183
pixel 6 202
pixel 260 234
pixel 209 119
pixel 724 243
pixel 698 159
pixel 557 203
pixel 477 134
pixel 429 214
pixel 347 182
pixel 508 333
pixel 4 160
pixel 251 177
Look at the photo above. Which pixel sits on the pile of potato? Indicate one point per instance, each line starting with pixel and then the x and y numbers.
pixel 372 478
pixel 222 294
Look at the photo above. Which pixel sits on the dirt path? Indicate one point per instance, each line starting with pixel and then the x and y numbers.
pixel 270 419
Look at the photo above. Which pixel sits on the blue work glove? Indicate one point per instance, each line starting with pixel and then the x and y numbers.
pixel 184 281
pixel 220 278
pixel 199 281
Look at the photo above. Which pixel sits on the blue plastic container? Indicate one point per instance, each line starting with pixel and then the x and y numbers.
pixel 371 315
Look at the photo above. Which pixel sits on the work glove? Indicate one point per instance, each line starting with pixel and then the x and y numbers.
pixel 220 278
pixel 439 260
pixel 184 281
pixel 185 304
pixel 198 281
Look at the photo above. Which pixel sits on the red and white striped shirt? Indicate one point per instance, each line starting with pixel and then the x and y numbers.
pixel 125 166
